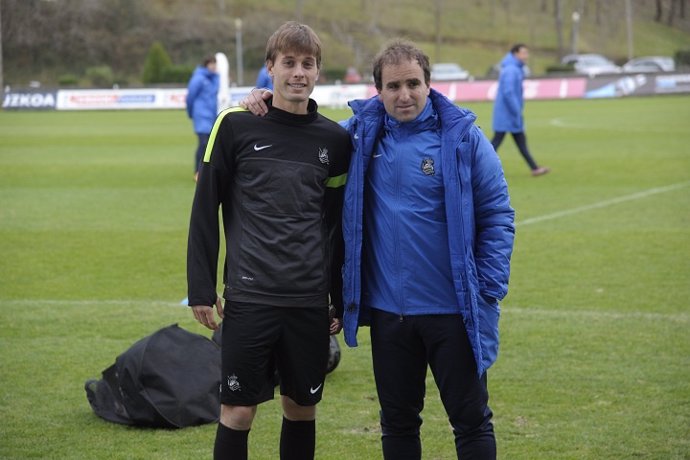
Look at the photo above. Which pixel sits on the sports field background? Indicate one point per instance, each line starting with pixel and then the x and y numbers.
pixel 595 349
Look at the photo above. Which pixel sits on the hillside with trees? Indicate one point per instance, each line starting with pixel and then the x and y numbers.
pixel 104 42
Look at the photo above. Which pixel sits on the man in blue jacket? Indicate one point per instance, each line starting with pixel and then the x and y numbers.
pixel 264 80
pixel 428 231
pixel 507 116
pixel 202 105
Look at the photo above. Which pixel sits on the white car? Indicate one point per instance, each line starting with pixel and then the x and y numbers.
pixel 650 64
pixel 448 71
pixel 590 64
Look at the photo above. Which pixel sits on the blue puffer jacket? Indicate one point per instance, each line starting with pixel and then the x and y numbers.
pixel 202 99
pixel 509 102
pixel 480 221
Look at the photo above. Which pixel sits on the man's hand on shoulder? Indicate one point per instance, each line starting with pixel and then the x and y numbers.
pixel 255 101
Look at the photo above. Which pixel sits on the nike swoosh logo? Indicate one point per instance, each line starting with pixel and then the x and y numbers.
pixel 379 155
pixel 314 390
pixel 258 148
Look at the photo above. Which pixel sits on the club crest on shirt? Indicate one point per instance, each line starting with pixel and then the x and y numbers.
pixel 323 155
pixel 428 166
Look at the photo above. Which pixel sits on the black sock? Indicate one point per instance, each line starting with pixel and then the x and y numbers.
pixel 297 440
pixel 230 444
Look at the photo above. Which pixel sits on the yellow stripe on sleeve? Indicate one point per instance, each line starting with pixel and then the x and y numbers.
pixel 336 181
pixel 214 131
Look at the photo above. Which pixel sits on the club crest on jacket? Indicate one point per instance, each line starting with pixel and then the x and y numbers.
pixel 428 166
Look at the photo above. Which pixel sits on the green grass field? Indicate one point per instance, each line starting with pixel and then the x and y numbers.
pixel 595 354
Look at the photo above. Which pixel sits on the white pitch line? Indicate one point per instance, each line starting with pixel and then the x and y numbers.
pixel 603 204
pixel 598 314
pixel 539 311
pixel 69 303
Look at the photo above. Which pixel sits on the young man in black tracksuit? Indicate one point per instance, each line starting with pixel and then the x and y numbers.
pixel 278 180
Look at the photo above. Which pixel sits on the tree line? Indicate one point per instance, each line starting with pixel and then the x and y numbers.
pixel 101 42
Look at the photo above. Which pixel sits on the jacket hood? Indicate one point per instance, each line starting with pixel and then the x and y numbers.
pixel 449 113
pixel 204 72
pixel 371 107
pixel 510 60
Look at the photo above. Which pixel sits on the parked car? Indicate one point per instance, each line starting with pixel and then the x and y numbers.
pixel 650 64
pixel 446 71
pixel 590 64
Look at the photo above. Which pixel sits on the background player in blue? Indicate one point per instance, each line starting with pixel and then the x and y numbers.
pixel 509 105
pixel 263 80
pixel 202 105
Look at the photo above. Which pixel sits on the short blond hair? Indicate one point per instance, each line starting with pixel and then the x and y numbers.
pixel 295 37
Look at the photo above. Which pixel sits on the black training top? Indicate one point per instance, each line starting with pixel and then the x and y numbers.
pixel 279 180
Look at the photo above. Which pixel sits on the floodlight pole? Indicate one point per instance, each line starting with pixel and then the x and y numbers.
pixel 629 22
pixel 437 25
pixel 575 31
pixel 238 51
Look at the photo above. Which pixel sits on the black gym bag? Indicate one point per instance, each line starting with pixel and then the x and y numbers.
pixel 169 379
